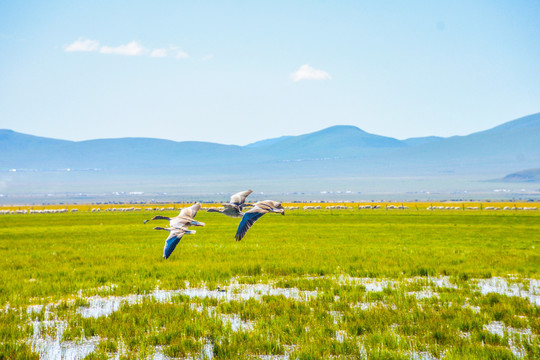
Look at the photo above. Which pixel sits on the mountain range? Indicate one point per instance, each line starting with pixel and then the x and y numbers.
pixel 337 151
pixel 524 176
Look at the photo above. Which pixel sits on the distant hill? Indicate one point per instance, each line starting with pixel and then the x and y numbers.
pixel 506 148
pixel 336 141
pixel 530 175
pixel 20 151
pixel 421 140
pixel 338 151
pixel 27 151
pixel 267 142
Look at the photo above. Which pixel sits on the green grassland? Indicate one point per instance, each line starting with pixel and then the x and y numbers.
pixel 66 260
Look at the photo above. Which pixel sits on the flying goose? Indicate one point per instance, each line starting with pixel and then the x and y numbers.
pixel 184 218
pixel 259 209
pixel 234 207
pixel 175 234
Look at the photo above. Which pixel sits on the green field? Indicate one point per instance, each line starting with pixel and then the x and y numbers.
pixel 373 284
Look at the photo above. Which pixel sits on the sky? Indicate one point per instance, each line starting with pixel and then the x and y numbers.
pixel 235 72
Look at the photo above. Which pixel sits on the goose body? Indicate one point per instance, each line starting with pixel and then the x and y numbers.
pixel 230 211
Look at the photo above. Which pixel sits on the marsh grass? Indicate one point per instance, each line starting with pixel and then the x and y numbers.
pixel 372 272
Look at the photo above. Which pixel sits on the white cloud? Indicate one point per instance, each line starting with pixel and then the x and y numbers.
pixel 181 55
pixel 83 45
pixel 306 72
pixel 207 57
pixel 159 53
pixel 165 52
pixel 131 49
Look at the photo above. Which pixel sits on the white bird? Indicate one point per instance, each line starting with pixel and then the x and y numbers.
pixel 178 227
pixel 184 218
pixel 259 209
pixel 175 234
pixel 235 205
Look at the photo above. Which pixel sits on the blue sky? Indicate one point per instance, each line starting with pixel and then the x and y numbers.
pixel 238 72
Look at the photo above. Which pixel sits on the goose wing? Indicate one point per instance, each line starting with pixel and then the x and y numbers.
pixel 268 204
pixel 172 241
pixel 240 198
pixel 190 211
pixel 248 220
